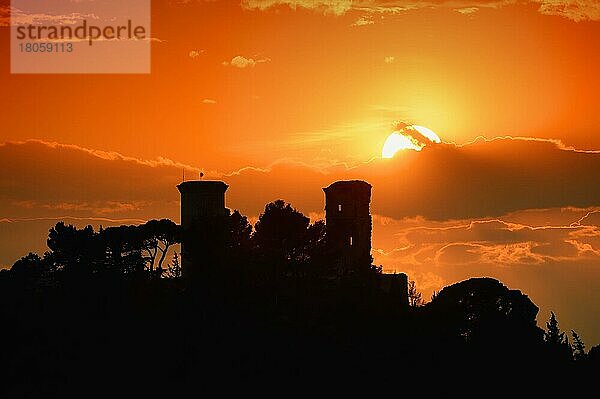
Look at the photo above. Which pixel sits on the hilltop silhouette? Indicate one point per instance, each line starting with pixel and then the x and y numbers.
pixel 283 301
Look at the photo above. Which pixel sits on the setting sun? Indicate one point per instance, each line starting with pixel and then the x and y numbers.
pixel 411 137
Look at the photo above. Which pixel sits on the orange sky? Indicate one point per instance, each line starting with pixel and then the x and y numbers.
pixel 324 89
pixel 279 101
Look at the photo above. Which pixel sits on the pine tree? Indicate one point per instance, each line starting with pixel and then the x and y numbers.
pixel 414 297
pixel 174 269
pixel 578 347
pixel 557 341
pixel 554 336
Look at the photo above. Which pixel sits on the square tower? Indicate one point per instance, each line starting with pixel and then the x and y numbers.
pixel 348 221
pixel 202 204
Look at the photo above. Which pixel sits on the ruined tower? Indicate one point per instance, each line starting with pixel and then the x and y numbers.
pixel 348 222
pixel 202 202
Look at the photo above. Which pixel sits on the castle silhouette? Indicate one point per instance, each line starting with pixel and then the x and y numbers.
pixel 92 312
pixel 347 217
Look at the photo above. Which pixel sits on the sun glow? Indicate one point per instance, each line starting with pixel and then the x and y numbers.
pixel 396 142
pixel 427 133
pixel 411 137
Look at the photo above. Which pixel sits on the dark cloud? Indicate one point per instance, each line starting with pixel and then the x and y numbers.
pixel 441 182
pixel 445 181
pixel 42 179
pixel 482 179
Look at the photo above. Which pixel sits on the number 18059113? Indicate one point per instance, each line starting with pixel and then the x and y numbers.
pixel 46 47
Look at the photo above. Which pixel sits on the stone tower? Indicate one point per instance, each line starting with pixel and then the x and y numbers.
pixel 348 222
pixel 201 203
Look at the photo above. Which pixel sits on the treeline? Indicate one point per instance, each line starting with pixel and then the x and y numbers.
pixel 282 235
pixel 129 250
pixel 267 302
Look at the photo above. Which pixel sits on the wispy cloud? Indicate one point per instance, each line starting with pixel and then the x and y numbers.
pixel 496 242
pixel 195 54
pixel 575 10
pixel 243 62
pixel 364 20
pixel 91 207
pixel 106 155
pixel 14 16
pixel 336 7
pixel 73 218
pixel 467 10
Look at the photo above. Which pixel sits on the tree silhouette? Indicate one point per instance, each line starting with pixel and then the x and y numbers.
pixel 174 269
pixel 157 236
pixel 30 263
pixel 27 270
pixel 553 335
pixel 578 347
pixel 123 249
pixel 75 250
pixel 556 340
pixel 240 231
pixel 315 240
pixel 484 313
pixel 281 232
pixel 414 296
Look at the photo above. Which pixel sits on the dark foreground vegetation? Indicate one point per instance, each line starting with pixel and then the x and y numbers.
pixel 106 310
